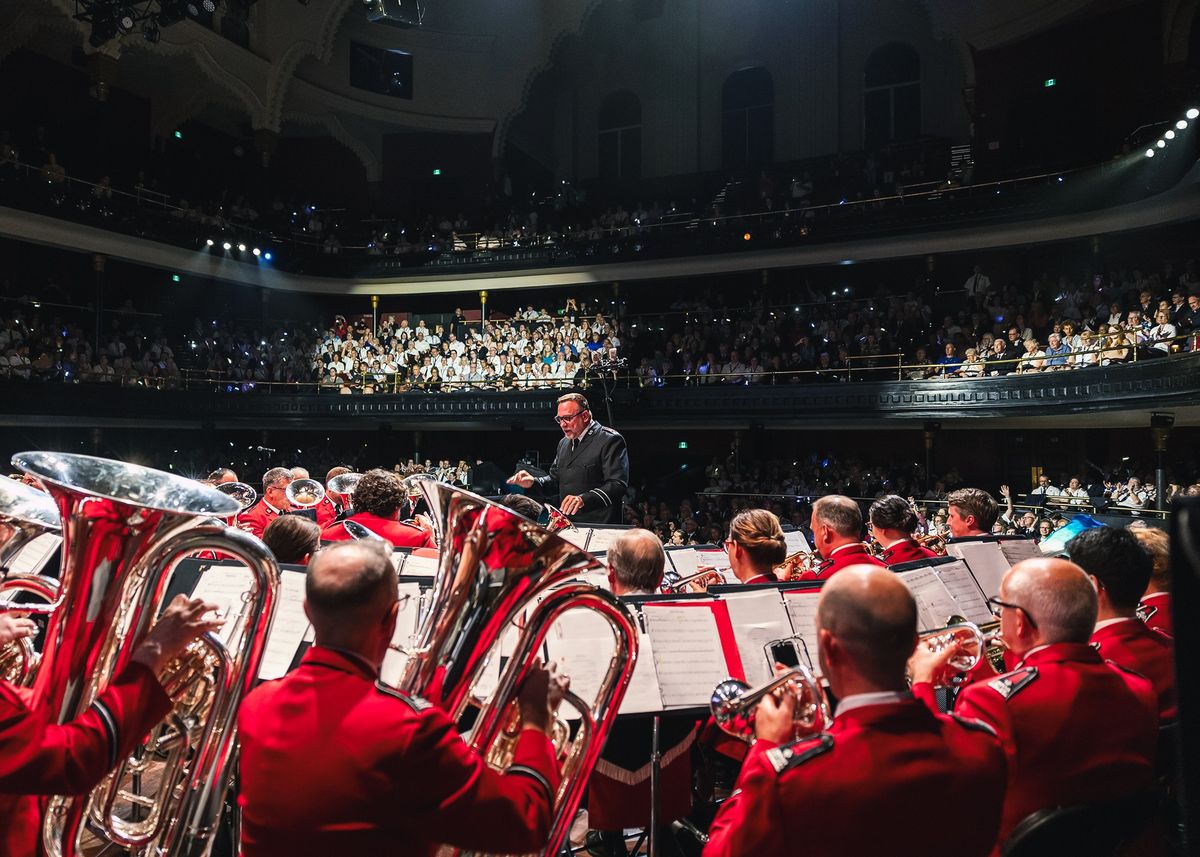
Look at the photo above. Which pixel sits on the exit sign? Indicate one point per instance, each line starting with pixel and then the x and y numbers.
pixel 1048 82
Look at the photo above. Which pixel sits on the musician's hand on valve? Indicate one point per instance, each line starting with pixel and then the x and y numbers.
pixel 774 719
pixel 539 696
pixel 571 504
pixel 926 665
pixel 14 626
pixel 184 620
pixel 523 478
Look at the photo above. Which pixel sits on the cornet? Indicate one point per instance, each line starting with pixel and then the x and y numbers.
pixel 734 703
pixel 698 582
pixel 796 564
pixel 968 642
pixel 304 493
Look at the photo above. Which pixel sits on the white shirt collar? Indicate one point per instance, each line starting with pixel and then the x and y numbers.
pixel 862 700
pixel 1104 623
pixel 843 547
pixel 1146 598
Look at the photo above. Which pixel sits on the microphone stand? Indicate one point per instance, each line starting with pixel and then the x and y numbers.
pixel 655 772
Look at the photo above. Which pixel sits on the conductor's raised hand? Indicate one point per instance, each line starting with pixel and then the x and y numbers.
pixel 523 478
pixel 184 620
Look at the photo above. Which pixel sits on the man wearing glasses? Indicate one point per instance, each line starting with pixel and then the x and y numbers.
pixel 1076 728
pixel 590 473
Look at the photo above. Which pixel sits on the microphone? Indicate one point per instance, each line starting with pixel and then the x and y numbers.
pixel 263 449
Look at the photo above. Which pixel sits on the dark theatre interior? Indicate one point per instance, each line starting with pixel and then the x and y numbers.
pixel 599 427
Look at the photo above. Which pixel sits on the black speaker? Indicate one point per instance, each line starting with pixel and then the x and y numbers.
pixel 1185 606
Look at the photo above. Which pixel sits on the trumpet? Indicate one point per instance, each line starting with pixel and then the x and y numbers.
pixel 932 541
pixel 794 565
pixel 244 494
pixel 734 703
pixel 305 493
pixel 698 582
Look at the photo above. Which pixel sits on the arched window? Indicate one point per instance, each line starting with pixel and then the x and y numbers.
pixel 891 96
pixel 748 118
pixel 621 136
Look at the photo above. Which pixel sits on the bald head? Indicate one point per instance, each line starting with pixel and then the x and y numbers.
pixel 873 620
pixel 1056 594
pixel 637 561
pixel 350 588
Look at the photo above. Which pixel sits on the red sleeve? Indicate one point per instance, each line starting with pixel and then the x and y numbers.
pixel 37 757
pixel 469 805
pixel 924 692
pixel 751 821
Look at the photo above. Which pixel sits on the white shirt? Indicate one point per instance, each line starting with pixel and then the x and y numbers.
pixel 862 700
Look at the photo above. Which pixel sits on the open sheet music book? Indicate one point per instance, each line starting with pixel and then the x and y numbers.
pixel 34 556
pixel 990 560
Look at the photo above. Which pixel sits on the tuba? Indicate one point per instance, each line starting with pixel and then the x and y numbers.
pixel 125 528
pixel 25 514
pixel 305 493
pixel 244 494
pixel 494 565
pixel 734 703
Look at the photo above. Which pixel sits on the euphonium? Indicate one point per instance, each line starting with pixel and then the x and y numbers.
pixel 305 493
pixel 968 642
pixel 343 484
pixel 244 494
pixel 494 564
pixel 25 514
pixel 124 530
pixel 734 703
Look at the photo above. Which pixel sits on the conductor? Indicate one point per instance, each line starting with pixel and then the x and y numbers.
pixel 590 473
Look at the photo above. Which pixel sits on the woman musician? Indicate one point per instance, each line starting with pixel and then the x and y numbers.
pixel 893 521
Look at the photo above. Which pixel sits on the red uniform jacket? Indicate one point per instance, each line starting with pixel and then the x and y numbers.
pixel 852 790
pixel 1132 645
pixel 334 763
pixel 255 519
pixel 841 557
pixel 905 551
pixel 327 512
pixel 38 757
pixel 400 534
pixel 1155 611
pixel 1076 729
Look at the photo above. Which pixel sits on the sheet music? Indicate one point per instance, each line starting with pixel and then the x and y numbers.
pixel 685 561
pixel 934 603
pixel 577 537
pixel 801 606
pixel 288 628
pixel 688 657
pixel 398 560
pixel 717 559
pixel 987 564
pixel 965 592
pixel 643 694
pixel 581 643
pixel 34 556
pixel 795 542
pixel 1015 550
pixel 602 540
pixel 406 626
pixel 227 587
pixel 420 566
pixel 758 618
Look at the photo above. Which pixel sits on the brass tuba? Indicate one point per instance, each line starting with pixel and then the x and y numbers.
pixel 493 567
pixel 125 528
pixel 25 514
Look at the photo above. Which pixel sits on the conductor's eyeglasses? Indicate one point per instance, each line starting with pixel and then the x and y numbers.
pixel 563 420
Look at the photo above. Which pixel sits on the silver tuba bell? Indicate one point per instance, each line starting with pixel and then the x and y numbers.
pixel 305 493
pixel 125 528
pixel 244 494
pixel 25 514
pixel 493 567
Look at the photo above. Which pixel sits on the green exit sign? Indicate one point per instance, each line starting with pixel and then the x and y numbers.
pixel 683 444
pixel 437 172
pixel 1048 82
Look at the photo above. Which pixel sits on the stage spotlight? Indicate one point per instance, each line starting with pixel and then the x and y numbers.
pixel 125 21
pixel 267 255
pixel 241 248
pixel 1170 135
pixel 257 252
pixel 209 242
pixel 227 246
pixel 210 6
pixel 1181 124
pixel 1192 113
pixel 1162 144
pixel 1149 153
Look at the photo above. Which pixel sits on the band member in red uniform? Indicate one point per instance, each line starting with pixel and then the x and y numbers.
pixel 1076 729
pixel 331 504
pixel 619 789
pixel 1155 607
pixel 755 546
pixel 271 505
pixel 837 527
pixel 893 521
pixel 972 512
pixel 1120 569
pixel 335 762
pixel 40 757
pixel 378 500
pixel 885 760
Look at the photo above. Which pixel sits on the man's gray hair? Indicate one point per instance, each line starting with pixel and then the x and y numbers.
pixel 276 475
pixel 841 514
pixel 637 559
